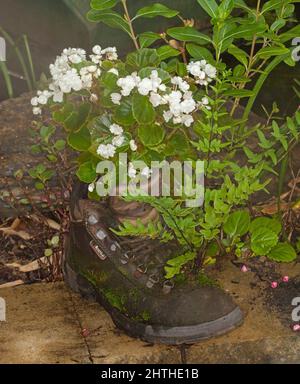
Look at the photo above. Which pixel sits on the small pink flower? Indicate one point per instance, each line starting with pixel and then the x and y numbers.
pixel 285 279
pixel 244 268
pixel 274 284
pixel 296 327
pixel 85 332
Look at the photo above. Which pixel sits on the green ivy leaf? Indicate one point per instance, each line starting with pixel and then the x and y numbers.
pixel 142 109
pixel 188 34
pixel 148 38
pixel 237 223
pixel 165 52
pixel 262 241
pixel 154 10
pixel 268 52
pixel 283 252
pixel 265 222
pixel 210 7
pixel 198 52
pixel 86 172
pixel 100 5
pixel 110 18
pixel 151 135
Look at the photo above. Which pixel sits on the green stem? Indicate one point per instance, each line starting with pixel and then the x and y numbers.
pixel 29 58
pixel 260 82
pixel 19 56
pixel 129 21
pixel 7 80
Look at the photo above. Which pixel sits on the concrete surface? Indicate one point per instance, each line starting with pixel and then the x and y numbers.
pixel 45 323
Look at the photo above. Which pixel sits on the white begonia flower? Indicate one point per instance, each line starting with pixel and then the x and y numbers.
pixel 37 110
pixel 115 129
pixel 145 86
pixel 204 103
pixel 131 171
pixel 116 98
pixel 93 98
pixel 146 172
pixel 187 120
pixel 133 145
pixel 202 71
pixel 106 150
pixel 91 187
pixel 128 83
pixel 155 99
pixel 182 85
pixel 167 116
pixel 111 53
pixel 34 102
pixel 97 50
pixel 114 71
pixel 118 141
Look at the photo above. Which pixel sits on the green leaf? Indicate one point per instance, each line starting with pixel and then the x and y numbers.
pixel 39 186
pixel 100 5
pixel 245 31
pixel 47 132
pixel 48 252
pixel 210 7
pixel 123 114
pixel 174 265
pixel 86 172
pixel 142 109
pixel 289 35
pixel 237 223
pixel 188 34
pixel 283 252
pixel 270 5
pixel 262 241
pixel 239 93
pixel 166 52
pixel 148 38
pixel 145 57
pixel 80 141
pixel 151 135
pixel 154 10
pixel 60 145
pixel 197 52
pixel 78 118
pixel 267 52
pixel 110 18
pixel 239 54
pixel 265 222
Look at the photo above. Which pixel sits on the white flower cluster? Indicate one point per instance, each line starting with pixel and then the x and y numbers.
pixel 180 101
pixel 132 172
pixel 109 150
pixel 67 78
pixel 203 72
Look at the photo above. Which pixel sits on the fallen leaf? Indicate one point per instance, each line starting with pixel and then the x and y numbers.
pixel 12 284
pixel 11 232
pixel 33 266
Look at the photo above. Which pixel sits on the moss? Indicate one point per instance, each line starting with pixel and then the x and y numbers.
pixel 96 278
pixel 115 299
pixel 145 315
pixel 206 281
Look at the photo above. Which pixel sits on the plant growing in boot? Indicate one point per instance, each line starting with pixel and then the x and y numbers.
pixel 177 102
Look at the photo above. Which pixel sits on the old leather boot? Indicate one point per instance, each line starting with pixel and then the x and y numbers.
pixel 126 275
